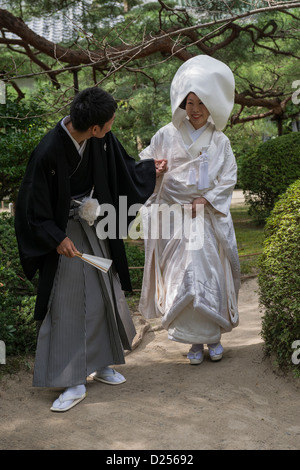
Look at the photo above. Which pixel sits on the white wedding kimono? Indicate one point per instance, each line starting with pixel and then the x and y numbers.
pixel 194 288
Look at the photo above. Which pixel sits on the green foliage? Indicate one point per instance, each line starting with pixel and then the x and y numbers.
pixel 17 327
pixel 142 86
pixel 217 8
pixel 140 114
pixel 266 173
pixel 249 237
pixel 136 258
pixel 279 278
pixel 244 138
pixel 19 136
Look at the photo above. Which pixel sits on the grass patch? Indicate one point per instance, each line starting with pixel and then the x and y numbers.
pixel 250 239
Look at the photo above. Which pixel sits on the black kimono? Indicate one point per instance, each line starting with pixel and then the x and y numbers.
pixel 86 320
pixel 44 200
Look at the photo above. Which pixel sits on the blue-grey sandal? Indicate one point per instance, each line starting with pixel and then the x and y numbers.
pixel 215 351
pixel 195 357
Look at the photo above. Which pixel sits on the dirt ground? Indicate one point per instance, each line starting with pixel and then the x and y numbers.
pixel 239 403
pixel 166 404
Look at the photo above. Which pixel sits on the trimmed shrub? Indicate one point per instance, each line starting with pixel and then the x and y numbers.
pixel 136 258
pixel 19 137
pixel 279 280
pixel 17 295
pixel 267 172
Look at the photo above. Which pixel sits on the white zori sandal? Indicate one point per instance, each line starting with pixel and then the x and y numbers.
pixel 69 398
pixel 215 351
pixel 109 376
pixel 196 356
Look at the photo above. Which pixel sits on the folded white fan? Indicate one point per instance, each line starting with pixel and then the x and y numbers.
pixel 100 263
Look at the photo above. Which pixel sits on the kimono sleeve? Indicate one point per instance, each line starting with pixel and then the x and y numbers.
pixel 154 149
pixel 127 177
pixel 36 231
pixel 220 196
pixel 40 211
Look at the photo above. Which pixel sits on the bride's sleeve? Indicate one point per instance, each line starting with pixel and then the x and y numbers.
pixel 220 196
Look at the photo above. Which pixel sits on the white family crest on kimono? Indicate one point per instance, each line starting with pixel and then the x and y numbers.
pixel 195 292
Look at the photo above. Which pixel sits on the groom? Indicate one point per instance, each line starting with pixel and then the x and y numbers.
pixel 86 335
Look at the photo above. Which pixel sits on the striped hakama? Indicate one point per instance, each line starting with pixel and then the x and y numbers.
pixel 88 323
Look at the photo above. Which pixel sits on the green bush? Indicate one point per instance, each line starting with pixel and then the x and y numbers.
pixel 136 258
pixel 18 138
pixel 279 279
pixel 267 172
pixel 17 295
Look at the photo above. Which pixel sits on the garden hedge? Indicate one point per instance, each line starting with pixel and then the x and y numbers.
pixel 279 280
pixel 17 327
pixel 267 172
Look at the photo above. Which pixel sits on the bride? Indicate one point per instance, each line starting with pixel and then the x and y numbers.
pixel 194 286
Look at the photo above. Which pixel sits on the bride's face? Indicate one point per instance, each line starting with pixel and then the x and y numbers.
pixel 196 111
